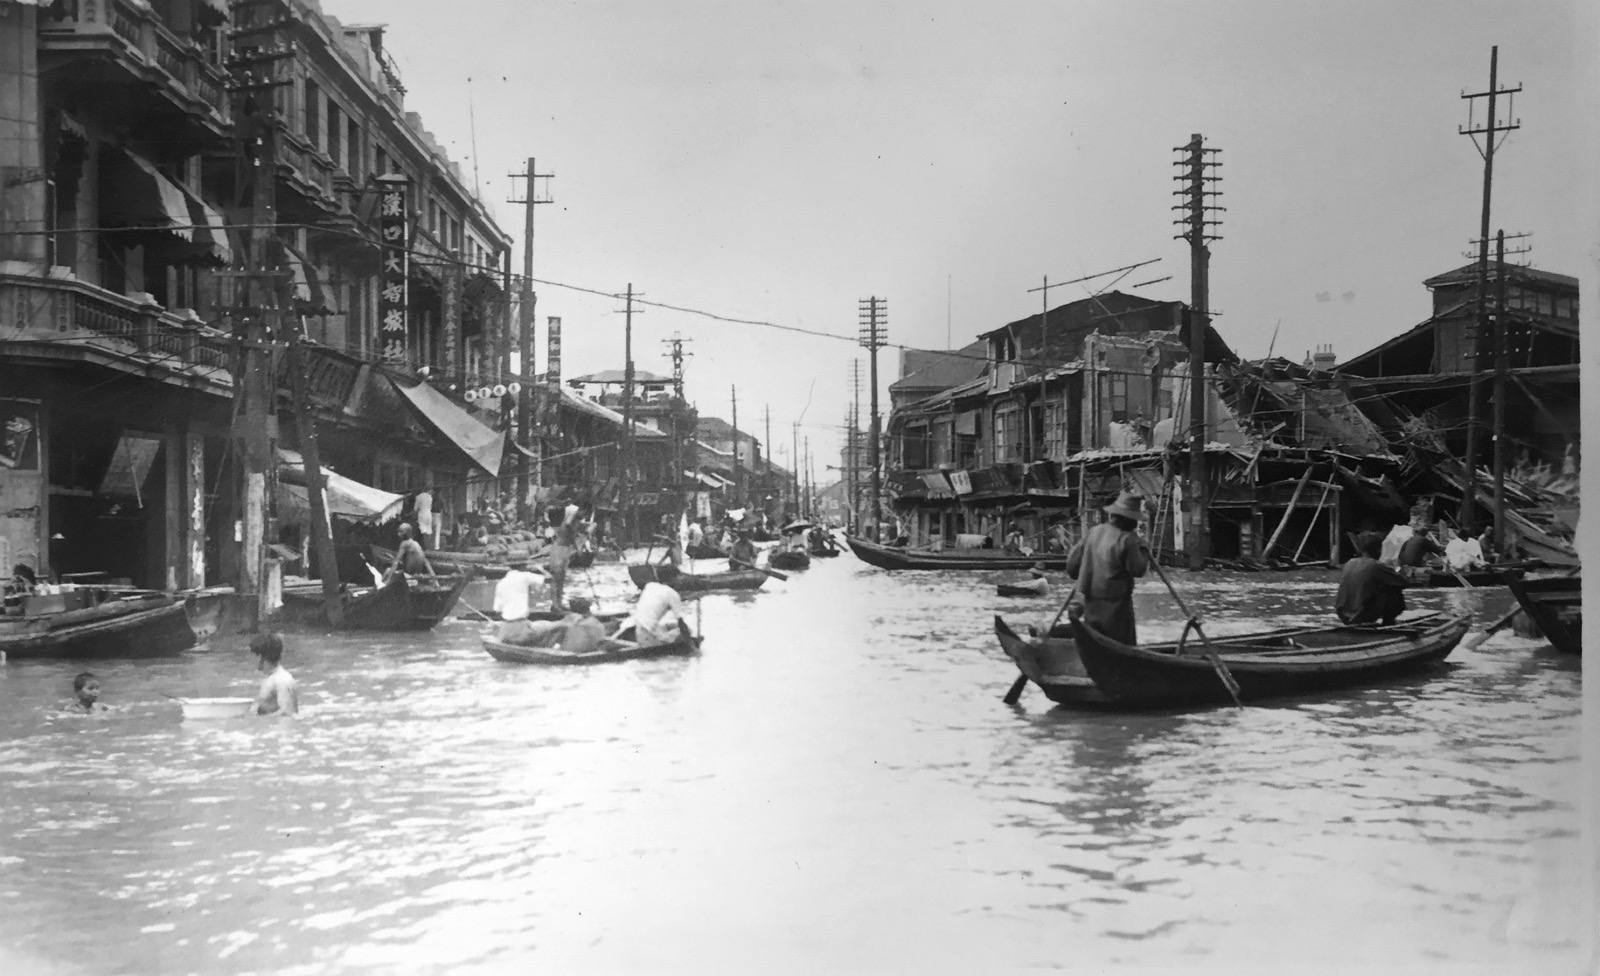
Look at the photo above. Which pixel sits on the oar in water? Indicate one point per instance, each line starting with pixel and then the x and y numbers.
pixel 1472 643
pixel 770 572
pixel 1217 664
pixel 1014 695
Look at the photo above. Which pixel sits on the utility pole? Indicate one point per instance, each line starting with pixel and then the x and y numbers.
pixel 525 327
pixel 1489 129
pixel 853 450
pixel 1197 171
pixel 675 351
pixel 811 487
pixel 766 478
pixel 627 419
pixel 1502 372
pixel 873 333
pixel 794 461
pixel 737 493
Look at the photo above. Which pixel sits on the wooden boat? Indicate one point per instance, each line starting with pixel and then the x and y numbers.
pixel 1488 576
pixel 789 559
pixel 1034 587
pixel 888 557
pixel 1266 664
pixel 1053 664
pixel 405 604
pixel 702 551
pixel 1555 603
pixel 686 644
pixel 740 579
pixel 133 627
pixel 489 567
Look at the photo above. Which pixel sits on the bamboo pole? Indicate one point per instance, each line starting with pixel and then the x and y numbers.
pixel 1327 487
pixel 1284 521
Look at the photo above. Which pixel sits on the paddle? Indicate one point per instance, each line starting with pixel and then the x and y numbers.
pixel 1217 663
pixel 770 572
pixel 1014 695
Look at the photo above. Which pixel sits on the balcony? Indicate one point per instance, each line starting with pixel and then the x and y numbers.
pixel 65 319
pixel 111 42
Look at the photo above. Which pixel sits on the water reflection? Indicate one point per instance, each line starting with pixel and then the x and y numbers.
pixel 833 783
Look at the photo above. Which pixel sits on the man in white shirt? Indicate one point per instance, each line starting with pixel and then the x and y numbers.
pixel 655 617
pixel 1464 552
pixel 1389 555
pixel 515 595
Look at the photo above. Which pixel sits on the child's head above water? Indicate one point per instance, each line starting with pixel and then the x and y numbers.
pixel 87 687
pixel 267 647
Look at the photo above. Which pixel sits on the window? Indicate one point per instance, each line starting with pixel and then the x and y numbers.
pixel 914 448
pixel 355 159
pixel 335 130
pixel 1564 307
pixel 312 118
pixel 939 445
pixel 1055 430
pixel 1007 435
pixel 1119 397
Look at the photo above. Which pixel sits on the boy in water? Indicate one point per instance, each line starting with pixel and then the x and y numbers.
pixel 277 695
pixel 87 687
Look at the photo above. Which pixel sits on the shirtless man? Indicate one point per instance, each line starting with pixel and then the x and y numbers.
pixel 409 558
pixel 277 695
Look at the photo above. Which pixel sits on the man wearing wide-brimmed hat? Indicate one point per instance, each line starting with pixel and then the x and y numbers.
pixel 1105 564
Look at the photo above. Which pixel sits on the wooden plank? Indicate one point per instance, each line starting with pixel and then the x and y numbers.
pixel 1284 521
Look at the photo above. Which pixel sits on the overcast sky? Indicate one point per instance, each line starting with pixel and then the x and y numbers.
pixel 778 161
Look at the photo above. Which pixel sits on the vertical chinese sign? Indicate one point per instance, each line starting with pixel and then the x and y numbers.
pixel 396 254
pixel 552 370
pixel 450 301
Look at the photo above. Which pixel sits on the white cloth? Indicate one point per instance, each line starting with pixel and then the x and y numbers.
pixel 424 513
pixel 697 535
pixel 1462 554
pixel 655 617
pixel 515 594
pixel 1393 542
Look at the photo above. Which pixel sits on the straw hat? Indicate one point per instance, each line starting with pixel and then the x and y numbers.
pixel 1128 505
pixel 1038 569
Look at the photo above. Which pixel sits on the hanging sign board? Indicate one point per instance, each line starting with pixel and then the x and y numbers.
pixel 395 253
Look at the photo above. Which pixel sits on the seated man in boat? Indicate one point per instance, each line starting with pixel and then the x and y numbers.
pixel 1105 565
pixel 515 595
pixel 744 551
pixel 697 533
pixel 1421 549
pixel 655 617
pixel 409 558
pixel 1369 591
pixel 87 689
pixel 1464 552
pixel 277 694
pixel 584 632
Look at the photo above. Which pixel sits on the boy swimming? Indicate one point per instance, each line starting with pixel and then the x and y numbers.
pixel 277 695
pixel 87 689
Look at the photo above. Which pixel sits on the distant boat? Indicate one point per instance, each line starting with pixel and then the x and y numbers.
pixel 1265 664
pixel 789 559
pixel 1488 576
pixel 1034 587
pixel 891 557
pixel 1555 604
pixel 741 579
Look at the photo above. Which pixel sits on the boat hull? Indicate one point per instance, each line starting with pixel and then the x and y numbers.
pixel 1266 665
pixel 405 604
pixel 744 579
pixel 1493 576
pixel 886 557
pixel 1555 603
pixel 790 559
pixel 685 645
pixel 157 625
pixel 1054 665
pixel 1023 589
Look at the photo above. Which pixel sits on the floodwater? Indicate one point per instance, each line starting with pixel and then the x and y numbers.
pixel 833 785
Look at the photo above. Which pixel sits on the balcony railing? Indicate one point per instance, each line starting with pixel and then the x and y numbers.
pixel 68 314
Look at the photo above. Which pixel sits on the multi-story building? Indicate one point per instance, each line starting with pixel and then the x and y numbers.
pixel 130 139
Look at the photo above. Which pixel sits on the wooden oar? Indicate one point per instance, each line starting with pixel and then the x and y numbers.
pixel 1217 664
pixel 1477 639
pixel 770 572
pixel 1014 695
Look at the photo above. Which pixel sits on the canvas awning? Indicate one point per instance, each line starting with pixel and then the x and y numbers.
pixel 346 497
pixel 710 481
pixel 211 233
pixel 144 197
pixel 484 446
pixel 310 297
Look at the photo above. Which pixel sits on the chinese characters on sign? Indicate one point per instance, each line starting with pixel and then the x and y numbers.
pixel 392 212
pixel 451 302
pixel 552 368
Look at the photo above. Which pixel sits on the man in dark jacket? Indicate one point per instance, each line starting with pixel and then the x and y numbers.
pixel 1369 592
pixel 1105 564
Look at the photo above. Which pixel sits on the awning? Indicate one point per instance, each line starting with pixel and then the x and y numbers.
pixel 710 481
pixel 146 199
pixel 484 446
pixel 346 497
pixel 310 297
pixel 211 236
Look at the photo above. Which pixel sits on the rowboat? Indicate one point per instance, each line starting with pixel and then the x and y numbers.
pixel 413 603
pixel 1555 603
pixel 1488 576
pixel 482 563
pixel 700 550
pixel 739 579
pixel 887 557
pixel 1053 664
pixel 1266 664
pixel 686 644
pixel 789 559
pixel 133 627
pixel 1034 587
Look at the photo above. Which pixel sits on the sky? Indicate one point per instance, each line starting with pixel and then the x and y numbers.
pixel 780 161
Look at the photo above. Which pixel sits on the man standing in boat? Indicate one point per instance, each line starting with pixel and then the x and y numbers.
pixel 409 558
pixel 1105 564
pixel 566 542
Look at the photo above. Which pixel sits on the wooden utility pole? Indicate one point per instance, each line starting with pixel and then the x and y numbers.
pixel 1194 179
pixel 1490 128
pixel 794 462
pixel 321 529
pixel 737 493
pixel 627 419
pixel 1502 364
pixel 811 488
pixel 874 334
pixel 766 477
pixel 530 471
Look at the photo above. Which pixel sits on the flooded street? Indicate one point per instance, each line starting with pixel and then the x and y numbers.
pixel 832 785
